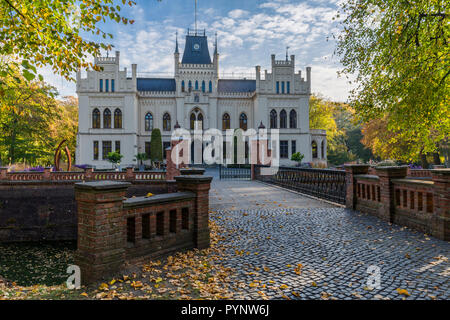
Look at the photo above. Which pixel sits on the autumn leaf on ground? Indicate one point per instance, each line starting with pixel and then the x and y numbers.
pixel 403 292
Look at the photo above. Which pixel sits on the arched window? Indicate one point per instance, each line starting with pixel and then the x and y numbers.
pixel 243 121
pixel 182 86
pixel 322 150
pixel 203 86
pixel 166 122
pixel 96 119
pixel 107 119
pixel 196 85
pixel 190 85
pixel 193 121
pixel 210 86
pixel 293 119
pixel 118 119
pixel 273 119
pixel 283 119
pixel 226 121
pixel 148 122
pixel 314 149
pixel 200 120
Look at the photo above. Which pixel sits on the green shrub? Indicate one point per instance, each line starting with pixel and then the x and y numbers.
pixel 298 157
pixel 156 146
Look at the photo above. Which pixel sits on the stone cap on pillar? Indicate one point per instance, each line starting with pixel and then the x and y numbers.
pixel 357 168
pixel 441 171
pixel 392 171
pixel 102 185
pixel 194 179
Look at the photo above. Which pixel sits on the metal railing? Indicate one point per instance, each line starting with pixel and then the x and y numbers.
pixel 326 184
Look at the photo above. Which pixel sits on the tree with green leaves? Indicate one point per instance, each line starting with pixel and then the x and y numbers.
pixel 27 112
pixel 115 158
pixel 297 157
pixel 399 53
pixel 56 33
pixel 156 146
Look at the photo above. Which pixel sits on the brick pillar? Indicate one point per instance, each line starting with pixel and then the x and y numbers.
pixel 387 205
pixel 130 173
pixel 350 171
pixel 440 224
pixel 200 185
pixel 3 173
pixel 172 169
pixel 101 228
pixel 47 173
pixel 89 173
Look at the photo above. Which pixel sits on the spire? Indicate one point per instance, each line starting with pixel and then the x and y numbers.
pixel 287 53
pixel 215 45
pixel 195 17
pixel 176 45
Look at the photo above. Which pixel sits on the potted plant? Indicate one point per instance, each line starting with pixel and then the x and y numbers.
pixel 297 157
pixel 141 157
pixel 115 158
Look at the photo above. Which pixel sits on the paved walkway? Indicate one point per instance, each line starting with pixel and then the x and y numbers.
pixel 284 245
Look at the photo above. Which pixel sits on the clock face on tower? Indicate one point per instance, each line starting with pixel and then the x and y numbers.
pixel 196 46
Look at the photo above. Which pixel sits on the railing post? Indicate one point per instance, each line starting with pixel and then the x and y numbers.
pixel 440 224
pixel 387 195
pixel 47 173
pixel 350 171
pixel 89 173
pixel 3 173
pixel 101 228
pixel 200 185
pixel 130 175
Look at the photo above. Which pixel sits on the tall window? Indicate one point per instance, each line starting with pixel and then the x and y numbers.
pixel 182 86
pixel 101 85
pixel 278 86
pixel 282 87
pixel 118 119
pixel 196 85
pixel 106 85
pixel 314 149
pixel 95 150
pixel 190 85
pixel 284 149
pixel 293 146
pixel 148 122
pixel 226 121
pixel 107 119
pixel 96 119
pixel 210 86
pixel 193 119
pixel 288 87
pixel 200 121
pixel 203 86
pixel 283 119
pixel 113 87
pixel 293 119
pixel 273 119
pixel 117 146
pixel 243 121
pixel 166 122
pixel 107 148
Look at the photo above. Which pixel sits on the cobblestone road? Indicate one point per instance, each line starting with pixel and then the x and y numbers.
pixel 284 245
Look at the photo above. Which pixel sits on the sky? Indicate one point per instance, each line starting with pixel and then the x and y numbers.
pixel 248 33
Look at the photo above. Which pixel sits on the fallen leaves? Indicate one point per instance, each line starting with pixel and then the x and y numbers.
pixel 403 292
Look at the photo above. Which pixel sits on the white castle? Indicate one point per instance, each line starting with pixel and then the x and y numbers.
pixel 118 112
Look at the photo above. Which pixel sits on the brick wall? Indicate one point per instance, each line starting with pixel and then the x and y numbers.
pixel 112 230
pixel 46 210
pixel 415 202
